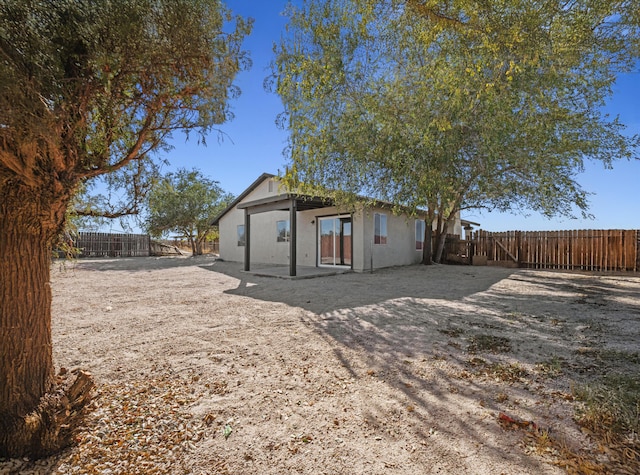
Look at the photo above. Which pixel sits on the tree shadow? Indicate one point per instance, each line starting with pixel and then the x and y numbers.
pixel 328 293
pixel 397 324
pixel 133 264
pixel 409 338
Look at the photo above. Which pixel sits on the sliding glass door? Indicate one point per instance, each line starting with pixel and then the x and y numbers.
pixel 334 245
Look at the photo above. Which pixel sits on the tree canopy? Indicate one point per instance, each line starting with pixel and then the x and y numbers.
pixel 454 105
pixel 87 88
pixel 92 88
pixel 185 202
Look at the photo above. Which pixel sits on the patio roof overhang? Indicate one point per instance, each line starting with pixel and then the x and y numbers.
pixel 284 202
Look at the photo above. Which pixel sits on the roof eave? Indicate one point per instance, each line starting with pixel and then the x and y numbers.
pixel 242 196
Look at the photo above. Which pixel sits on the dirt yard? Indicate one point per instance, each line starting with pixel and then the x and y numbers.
pixel 203 369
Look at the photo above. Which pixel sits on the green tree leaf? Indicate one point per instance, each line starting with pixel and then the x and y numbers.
pixel 87 89
pixel 185 202
pixel 448 106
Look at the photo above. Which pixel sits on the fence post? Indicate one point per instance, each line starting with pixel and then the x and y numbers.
pixel 637 260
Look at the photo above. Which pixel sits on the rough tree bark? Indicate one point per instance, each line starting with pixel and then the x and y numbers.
pixel 38 410
pixel 442 239
pixel 67 115
pixel 427 251
pixel 194 250
pixel 200 242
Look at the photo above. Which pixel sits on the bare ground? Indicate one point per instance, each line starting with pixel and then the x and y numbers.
pixel 203 369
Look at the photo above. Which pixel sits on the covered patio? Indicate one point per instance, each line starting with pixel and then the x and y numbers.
pixel 284 202
pixel 301 272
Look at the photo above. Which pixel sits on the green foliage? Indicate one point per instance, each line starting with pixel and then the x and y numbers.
pixel 64 245
pixel 88 88
pixel 91 88
pixel 454 105
pixel 186 202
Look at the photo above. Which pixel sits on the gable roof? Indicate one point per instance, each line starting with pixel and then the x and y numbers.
pixel 312 200
pixel 243 195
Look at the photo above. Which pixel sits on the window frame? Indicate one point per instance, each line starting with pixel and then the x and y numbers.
pixel 287 230
pixel 423 225
pixel 380 225
pixel 243 242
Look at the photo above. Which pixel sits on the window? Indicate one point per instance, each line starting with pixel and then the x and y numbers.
pixel 379 228
pixel 283 231
pixel 241 235
pixel 420 228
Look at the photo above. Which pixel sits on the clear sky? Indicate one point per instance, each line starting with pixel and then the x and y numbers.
pixel 255 145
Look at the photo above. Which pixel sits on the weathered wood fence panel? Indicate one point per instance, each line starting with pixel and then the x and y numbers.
pixel 93 244
pixel 157 248
pixel 456 250
pixel 208 247
pixel 597 250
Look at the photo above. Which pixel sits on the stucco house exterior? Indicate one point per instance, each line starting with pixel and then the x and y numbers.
pixel 267 225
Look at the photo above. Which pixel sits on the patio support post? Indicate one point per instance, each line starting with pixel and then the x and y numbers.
pixel 247 240
pixel 292 237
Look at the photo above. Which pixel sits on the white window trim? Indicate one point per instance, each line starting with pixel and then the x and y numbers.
pixel 386 234
pixel 423 225
pixel 287 237
pixel 244 242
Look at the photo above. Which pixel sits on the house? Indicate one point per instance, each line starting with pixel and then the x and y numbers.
pixel 268 226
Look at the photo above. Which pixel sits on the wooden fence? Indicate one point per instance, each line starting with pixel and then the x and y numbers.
pixel 112 245
pixel 158 248
pixel 590 250
pixel 208 247
pixel 335 249
pixel 456 250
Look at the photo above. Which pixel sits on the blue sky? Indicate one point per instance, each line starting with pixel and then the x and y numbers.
pixel 255 145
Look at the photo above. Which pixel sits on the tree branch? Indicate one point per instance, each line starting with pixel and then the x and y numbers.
pixel 437 17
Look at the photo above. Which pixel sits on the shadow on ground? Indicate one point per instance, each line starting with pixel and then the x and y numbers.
pixel 422 350
pixel 356 289
pixel 405 320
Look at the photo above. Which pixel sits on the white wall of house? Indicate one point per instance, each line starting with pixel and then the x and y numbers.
pixel 399 248
pixel 307 243
pixel 227 227
pixel 456 228
pixel 360 263
pixel 308 234
pixel 264 245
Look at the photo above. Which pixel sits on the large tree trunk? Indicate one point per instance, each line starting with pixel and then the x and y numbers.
pixel 38 411
pixel 427 250
pixel 198 247
pixel 442 239
pixel 194 251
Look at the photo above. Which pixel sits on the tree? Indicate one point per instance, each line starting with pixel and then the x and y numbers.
pixel 87 88
pixel 447 106
pixel 186 202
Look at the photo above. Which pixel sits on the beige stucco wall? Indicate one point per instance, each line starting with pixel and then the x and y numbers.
pixel 399 249
pixel 308 235
pixel 264 245
pixel 457 227
pixel 358 232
